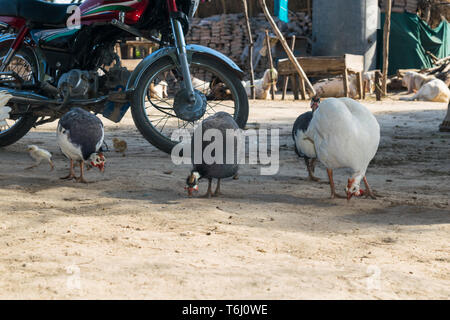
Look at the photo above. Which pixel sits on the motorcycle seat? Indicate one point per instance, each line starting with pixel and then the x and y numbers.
pixel 36 11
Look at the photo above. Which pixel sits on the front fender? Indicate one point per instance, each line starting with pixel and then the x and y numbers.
pixel 171 52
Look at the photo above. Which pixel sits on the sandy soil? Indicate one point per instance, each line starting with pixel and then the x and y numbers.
pixel 133 233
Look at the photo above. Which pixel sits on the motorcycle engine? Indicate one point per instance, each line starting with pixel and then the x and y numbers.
pixel 78 84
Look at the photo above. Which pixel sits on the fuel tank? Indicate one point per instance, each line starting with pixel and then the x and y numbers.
pixel 94 11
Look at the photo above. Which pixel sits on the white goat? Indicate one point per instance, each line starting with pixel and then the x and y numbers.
pixel 262 86
pixel 436 91
pixel 413 81
pixel 334 87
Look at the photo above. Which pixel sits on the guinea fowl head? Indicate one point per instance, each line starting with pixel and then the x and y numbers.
pixel 98 160
pixel 315 101
pixel 192 182
pixel 353 189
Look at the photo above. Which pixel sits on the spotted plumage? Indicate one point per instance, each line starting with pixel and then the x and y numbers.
pixel 222 122
pixel 80 136
pixel 304 147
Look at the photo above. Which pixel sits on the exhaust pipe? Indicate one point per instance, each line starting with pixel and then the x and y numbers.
pixel 27 97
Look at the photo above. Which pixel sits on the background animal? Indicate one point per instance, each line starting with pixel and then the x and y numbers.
pixel 39 154
pixel 346 135
pixel 435 90
pixel 120 145
pixel 304 147
pixel 263 85
pixel 369 81
pixel 334 87
pixel 80 136
pixel 159 91
pixel 221 121
pixel 413 81
pixel 4 110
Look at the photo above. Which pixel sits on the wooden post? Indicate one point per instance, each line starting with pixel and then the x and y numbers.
pixel 269 56
pixel 445 125
pixel 224 7
pixel 345 81
pixel 378 89
pixel 285 45
pixel 286 78
pixel 387 30
pixel 360 85
pixel 250 50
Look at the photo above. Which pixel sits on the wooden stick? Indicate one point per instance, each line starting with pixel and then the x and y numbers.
pixel 224 7
pixel 285 45
pixel 286 78
pixel 269 56
pixel 250 51
pixel 387 30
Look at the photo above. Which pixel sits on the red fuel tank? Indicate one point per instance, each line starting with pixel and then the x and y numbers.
pixel 93 11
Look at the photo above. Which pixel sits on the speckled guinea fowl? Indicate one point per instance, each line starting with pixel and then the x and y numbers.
pixel 221 121
pixel 305 147
pixel 80 137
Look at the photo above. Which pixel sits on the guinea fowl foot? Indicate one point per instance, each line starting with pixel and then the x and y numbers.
pixel 81 180
pixel 206 195
pixel 71 176
pixel 313 178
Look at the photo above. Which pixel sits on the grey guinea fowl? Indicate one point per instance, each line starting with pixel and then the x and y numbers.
pixel 220 121
pixel 80 137
pixel 305 147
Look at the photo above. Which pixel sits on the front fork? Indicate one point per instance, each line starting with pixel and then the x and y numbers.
pixel 180 44
pixel 17 43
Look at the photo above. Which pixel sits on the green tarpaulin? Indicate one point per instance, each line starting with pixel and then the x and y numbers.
pixel 410 38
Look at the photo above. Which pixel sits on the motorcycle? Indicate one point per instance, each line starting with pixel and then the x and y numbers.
pixel 57 56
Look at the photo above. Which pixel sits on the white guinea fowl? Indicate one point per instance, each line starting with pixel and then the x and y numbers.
pixel 346 135
pixel 4 110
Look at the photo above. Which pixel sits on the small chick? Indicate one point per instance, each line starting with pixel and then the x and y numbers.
pixel 120 145
pixel 38 155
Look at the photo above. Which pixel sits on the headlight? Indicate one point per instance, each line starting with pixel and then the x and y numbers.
pixel 193 8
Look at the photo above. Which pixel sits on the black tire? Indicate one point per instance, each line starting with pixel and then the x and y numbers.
pixel 141 120
pixel 24 124
pixel 20 129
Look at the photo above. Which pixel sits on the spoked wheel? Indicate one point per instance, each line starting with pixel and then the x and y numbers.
pixel 18 125
pixel 159 106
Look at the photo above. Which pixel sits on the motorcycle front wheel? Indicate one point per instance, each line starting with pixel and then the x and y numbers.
pixel 156 109
pixel 14 128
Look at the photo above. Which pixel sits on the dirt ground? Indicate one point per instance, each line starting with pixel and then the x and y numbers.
pixel 133 233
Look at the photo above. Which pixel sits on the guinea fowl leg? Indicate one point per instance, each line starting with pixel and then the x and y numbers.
pixel 34 165
pixel 81 178
pixel 333 190
pixel 369 190
pixel 310 165
pixel 208 192
pixel 52 166
pixel 217 192
pixel 71 174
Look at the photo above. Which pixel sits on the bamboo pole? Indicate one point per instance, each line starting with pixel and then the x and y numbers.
pixel 224 6
pixel 250 50
pixel 285 45
pixel 269 56
pixel 387 30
